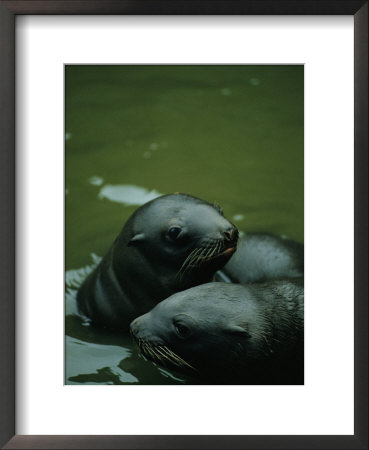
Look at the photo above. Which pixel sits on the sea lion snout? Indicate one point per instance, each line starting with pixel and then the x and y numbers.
pixel 134 327
pixel 231 234
pixel 137 327
pixel 140 330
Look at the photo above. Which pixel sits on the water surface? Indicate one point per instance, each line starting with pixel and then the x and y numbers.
pixel 227 134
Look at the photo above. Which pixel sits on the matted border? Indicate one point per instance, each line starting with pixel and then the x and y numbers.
pixel 8 11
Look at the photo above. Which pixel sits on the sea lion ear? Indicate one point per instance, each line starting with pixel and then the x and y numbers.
pixel 136 238
pixel 218 208
pixel 236 329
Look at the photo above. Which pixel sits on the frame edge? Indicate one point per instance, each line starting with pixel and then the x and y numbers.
pixel 361 223
pixel 7 281
pixel 7 224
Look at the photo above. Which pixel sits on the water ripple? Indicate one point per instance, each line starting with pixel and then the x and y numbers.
pixel 128 194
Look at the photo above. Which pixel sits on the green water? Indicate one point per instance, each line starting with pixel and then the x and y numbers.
pixel 229 134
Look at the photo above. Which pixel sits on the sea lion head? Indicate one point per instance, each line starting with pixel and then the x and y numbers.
pixel 204 329
pixel 182 240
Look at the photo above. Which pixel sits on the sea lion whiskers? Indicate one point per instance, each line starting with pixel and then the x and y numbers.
pixel 267 342
pixel 162 354
pixel 150 351
pixel 204 256
pixel 191 255
pixel 216 249
pixel 158 356
pixel 142 345
pixel 209 252
pixel 200 257
pixel 138 341
pixel 153 352
pixel 173 357
pixel 189 261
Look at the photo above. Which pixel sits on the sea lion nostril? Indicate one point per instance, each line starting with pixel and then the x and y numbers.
pixel 231 234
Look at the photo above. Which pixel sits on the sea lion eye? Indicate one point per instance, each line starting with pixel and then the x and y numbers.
pixel 182 330
pixel 174 232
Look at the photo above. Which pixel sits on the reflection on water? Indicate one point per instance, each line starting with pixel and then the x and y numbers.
pixel 227 134
pixel 238 217
pixel 96 181
pixel 127 194
pixel 254 82
pixel 96 356
pixel 226 91
pixel 101 363
pixel 73 280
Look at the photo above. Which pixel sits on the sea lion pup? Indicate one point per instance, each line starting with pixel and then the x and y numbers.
pixel 229 333
pixel 262 257
pixel 169 244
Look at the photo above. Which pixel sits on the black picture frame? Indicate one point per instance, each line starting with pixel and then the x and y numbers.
pixel 8 11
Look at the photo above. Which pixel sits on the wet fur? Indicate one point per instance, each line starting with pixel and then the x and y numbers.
pixel 240 334
pixel 262 257
pixel 143 266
